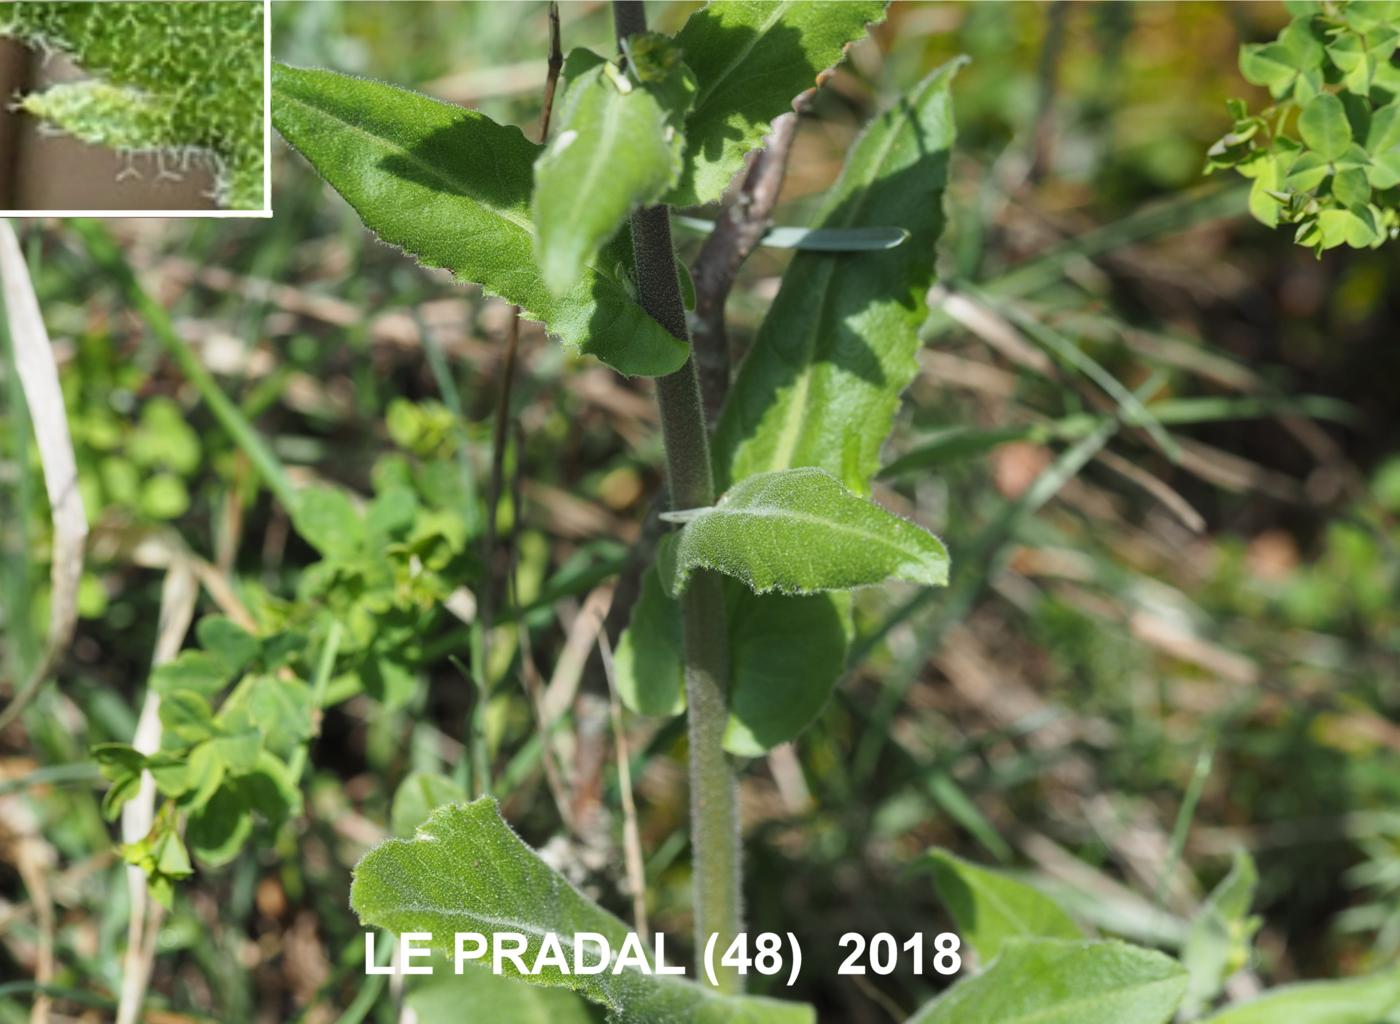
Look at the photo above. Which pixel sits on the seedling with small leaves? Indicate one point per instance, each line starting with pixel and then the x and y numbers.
pixel 239 709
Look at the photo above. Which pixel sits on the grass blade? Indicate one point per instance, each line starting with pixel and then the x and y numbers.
pixel 959 442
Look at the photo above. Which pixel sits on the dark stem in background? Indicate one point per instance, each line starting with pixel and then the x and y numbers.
pixel 556 64
pixel 714 821
pixel 1043 127
pixel 487 607
pixel 738 229
pixel 14 80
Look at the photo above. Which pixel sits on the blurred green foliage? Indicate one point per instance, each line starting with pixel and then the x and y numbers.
pixel 1326 155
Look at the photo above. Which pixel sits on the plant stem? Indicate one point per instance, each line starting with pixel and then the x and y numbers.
pixel 714 822
pixel 325 665
pixel 738 230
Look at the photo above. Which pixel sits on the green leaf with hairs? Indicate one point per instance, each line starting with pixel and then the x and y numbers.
pixel 1351 1001
pixel 1051 981
pixel 452 187
pixel 822 382
pixel 786 654
pixel 990 907
pixel 751 59
pixel 116 116
pixel 820 388
pixel 617 147
pixel 801 532
pixel 465 870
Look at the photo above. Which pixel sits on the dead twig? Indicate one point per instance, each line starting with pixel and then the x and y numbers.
pixel 487 604
pixel 177 601
pixel 38 377
pixel 738 230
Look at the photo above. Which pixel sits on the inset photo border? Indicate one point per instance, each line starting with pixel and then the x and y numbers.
pixel 103 112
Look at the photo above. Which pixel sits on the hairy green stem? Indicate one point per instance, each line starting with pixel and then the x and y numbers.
pixel 714 820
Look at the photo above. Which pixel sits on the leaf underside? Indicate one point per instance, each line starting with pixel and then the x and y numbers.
pixel 615 149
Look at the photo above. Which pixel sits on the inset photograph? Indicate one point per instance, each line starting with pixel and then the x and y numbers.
pixel 118 108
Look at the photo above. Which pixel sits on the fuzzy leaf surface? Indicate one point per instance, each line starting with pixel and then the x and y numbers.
pixel 116 116
pixel 991 907
pixel 801 532
pixel 1049 981
pixel 617 148
pixel 786 655
pixel 823 379
pixel 183 78
pixel 466 870
pixel 751 59
pixel 452 187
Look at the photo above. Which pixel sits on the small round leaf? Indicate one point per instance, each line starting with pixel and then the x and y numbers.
pixel 1324 126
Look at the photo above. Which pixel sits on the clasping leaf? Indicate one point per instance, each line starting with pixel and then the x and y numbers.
pixel 801 532
pixel 785 655
pixel 618 147
pixel 822 382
